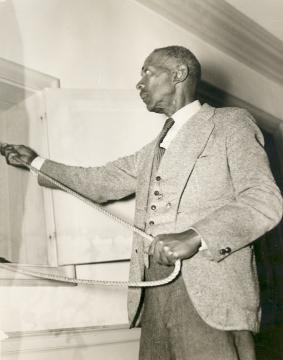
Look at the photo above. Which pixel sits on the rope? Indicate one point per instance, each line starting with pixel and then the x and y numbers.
pixel 67 279
pixel 99 208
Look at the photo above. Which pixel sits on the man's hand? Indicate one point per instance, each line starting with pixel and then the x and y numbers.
pixel 16 155
pixel 167 248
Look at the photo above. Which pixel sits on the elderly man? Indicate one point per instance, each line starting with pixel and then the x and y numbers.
pixel 205 192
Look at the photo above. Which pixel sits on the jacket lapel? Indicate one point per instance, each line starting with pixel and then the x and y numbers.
pixel 180 157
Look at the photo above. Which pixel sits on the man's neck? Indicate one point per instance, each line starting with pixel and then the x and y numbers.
pixel 179 104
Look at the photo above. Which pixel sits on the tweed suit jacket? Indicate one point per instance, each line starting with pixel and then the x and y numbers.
pixel 217 178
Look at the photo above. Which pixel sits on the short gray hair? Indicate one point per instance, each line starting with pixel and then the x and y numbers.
pixel 183 55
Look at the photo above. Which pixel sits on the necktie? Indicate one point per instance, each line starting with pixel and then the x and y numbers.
pixel 159 151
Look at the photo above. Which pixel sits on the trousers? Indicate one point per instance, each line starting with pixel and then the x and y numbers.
pixel 171 328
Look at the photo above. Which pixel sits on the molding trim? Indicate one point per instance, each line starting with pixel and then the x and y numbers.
pixel 66 339
pixel 18 83
pixel 22 77
pixel 226 28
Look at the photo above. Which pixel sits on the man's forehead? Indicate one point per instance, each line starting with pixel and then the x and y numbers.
pixel 156 59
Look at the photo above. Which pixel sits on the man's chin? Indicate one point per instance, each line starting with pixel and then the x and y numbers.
pixel 155 109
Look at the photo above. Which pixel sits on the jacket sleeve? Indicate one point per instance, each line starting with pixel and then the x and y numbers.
pixel 115 180
pixel 257 205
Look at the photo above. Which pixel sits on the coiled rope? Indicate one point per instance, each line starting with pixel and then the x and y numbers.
pixel 66 279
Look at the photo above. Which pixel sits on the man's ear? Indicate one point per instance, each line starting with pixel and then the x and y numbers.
pixel 181 73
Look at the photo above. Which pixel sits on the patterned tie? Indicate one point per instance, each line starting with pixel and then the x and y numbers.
pixel 159 151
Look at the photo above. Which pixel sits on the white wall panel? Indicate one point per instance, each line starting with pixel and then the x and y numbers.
pixel 90 128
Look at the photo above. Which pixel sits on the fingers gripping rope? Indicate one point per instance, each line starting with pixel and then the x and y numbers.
pixel 99 208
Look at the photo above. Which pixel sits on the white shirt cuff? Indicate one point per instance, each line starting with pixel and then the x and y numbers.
pixel 37 163
pixel 203 245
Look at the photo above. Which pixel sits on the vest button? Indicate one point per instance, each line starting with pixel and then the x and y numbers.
pixel 151 222
pixel 153 207
pixel 158 178
pixel 156 192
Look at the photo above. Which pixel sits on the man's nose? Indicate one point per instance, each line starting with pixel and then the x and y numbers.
pixel 140 85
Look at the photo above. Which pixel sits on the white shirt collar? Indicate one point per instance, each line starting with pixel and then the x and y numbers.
pixel 180 117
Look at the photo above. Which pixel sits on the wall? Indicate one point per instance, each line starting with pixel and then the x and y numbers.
pixel 74 40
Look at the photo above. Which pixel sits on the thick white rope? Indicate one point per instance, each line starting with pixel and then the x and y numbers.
pixel 99 208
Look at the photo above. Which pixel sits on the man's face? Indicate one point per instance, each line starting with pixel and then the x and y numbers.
pixel 156 86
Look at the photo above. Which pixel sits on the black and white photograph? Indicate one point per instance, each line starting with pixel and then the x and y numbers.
pixel 141 179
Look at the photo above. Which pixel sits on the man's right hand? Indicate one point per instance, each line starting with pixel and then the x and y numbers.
pixel 17 155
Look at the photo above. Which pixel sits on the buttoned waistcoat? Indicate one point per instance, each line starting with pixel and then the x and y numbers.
pixel 216 177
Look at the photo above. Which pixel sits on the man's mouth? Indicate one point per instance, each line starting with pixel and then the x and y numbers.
pixel 144 96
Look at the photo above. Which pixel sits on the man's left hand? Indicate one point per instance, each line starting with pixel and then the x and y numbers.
pixel 167 248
